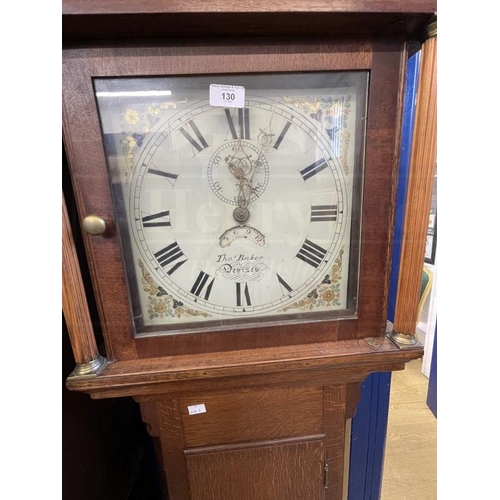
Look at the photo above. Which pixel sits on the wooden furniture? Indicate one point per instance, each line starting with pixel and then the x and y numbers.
pixel 420 186
pixel 257 410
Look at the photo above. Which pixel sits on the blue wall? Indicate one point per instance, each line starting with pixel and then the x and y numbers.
pixel 432 390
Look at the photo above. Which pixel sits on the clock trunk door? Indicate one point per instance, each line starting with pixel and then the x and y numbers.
pixel 287 471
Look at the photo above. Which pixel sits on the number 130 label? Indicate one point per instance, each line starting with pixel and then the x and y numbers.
pixel 227 96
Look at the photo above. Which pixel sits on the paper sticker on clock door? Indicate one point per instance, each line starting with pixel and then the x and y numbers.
pixel 236 215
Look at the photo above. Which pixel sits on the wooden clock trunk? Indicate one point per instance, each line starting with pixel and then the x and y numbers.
pixel 259 412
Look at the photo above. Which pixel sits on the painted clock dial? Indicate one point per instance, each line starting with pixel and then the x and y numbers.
pixel 231 215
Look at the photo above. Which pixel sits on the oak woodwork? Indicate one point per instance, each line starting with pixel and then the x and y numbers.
pixel 342 361
pixel 277 397
pixel 72 7
pixel 294 471
pixel 171 446
pixel 353 395
pixel 385 61
pixel 74 302
pixel 293 435
pixel 419 193
pixel 126 19
pixel 288 411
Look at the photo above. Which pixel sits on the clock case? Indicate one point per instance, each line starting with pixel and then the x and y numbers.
pixel 277 397
pixel 102 41
pixel 87 162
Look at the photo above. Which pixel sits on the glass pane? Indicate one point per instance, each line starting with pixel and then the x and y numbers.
pixel 236 216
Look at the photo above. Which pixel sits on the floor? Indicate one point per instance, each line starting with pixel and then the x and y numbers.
pixel 410 466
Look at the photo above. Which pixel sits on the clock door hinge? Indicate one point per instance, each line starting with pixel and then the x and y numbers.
pixel 325 475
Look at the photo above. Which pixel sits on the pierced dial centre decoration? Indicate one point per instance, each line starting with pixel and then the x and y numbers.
pixel 238 172
pixel 236 216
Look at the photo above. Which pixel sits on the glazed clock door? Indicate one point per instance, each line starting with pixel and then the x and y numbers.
pixel 251 222
pixel 236 214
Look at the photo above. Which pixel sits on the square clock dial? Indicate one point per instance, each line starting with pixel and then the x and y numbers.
pixel 237 197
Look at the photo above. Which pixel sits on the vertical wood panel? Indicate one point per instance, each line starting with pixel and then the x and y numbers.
pixel 291 471
pixel 380 180
pixel 420 184
pixel 75 309
pixel 335 421
pixel 172 445
pixel 85 154
pixel 408 123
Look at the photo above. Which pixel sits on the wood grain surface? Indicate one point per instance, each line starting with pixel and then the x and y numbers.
pixel 150 19
pixel 278 396
pixel 419 193
pixel 193 6
pixel 74 301
pixel 342 361
pixel 171 445
pixel 91 183
pixel 293 471
pixel 335 422
pixel 289 411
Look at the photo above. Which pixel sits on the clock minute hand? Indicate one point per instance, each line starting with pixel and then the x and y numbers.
pixel 245 187
pixel 242 166
pixel 241 213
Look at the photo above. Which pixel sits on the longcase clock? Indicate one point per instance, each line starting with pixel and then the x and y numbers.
pixel 234 173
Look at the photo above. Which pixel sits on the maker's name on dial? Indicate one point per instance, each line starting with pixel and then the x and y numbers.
pixel 222 257
pixel 241 267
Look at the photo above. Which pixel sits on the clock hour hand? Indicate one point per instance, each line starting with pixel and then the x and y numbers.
pixel 241 213
pixel 243 167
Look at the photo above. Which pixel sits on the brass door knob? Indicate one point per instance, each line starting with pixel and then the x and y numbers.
pixel 93 224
